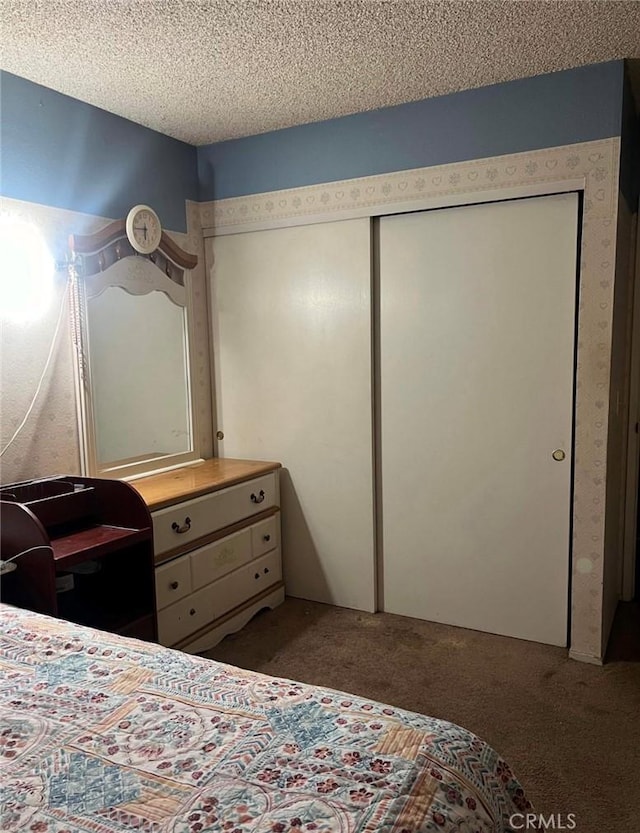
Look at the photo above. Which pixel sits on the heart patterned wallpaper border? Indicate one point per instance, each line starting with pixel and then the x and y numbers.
pixel 592 164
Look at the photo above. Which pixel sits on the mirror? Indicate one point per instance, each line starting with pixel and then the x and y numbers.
pixel 137 352
pixel 133 315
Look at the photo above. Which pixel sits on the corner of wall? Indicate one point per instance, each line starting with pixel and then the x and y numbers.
pixel 630 135
pixel 65 153
pixel 619 398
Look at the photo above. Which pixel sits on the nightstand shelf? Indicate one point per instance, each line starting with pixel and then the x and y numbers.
pixel 100 539
pixel 83 550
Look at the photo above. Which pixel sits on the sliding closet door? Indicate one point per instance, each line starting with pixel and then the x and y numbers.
pixel 477 352
pixel 292 348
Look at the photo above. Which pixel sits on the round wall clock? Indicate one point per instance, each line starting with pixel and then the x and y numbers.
pixel 143 229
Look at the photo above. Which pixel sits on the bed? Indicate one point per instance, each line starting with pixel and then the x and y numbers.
pixel 100 733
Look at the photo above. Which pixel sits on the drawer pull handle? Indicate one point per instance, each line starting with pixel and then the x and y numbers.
pixel 257 498
pixel 192 612
pixel 257 575
pixel 186 526
pixel 174 585
pixel 266 537
pixel 266 570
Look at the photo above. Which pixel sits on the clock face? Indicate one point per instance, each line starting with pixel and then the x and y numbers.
pixel 143 229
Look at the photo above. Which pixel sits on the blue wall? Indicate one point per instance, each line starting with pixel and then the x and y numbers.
pixel 577 105
pixel 59 151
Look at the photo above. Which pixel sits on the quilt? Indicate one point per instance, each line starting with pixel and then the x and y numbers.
pixel 100 733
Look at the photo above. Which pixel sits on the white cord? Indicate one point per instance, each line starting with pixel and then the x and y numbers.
pixel 44 371
pixel 24 552
pixel 8 567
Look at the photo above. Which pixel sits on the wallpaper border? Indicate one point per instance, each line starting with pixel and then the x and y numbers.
pixel 592 167
pixel 586 165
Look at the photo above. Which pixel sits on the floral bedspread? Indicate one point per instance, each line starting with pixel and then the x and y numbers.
pixel 99 733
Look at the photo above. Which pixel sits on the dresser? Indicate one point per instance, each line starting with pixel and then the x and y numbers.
pixel 216 531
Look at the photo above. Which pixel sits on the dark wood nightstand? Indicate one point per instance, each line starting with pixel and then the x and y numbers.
pixel 83 550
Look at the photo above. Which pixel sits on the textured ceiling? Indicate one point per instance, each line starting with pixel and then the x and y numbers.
pixel 206 70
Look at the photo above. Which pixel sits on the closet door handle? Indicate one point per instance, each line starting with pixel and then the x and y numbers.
pixel 266 537
pixel 174 585
pixel 186 526
pixel 257 498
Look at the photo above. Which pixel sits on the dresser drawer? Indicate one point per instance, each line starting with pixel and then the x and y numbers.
pixel 215 560
pixel 173 581
pixel 265 535
pixel 186 616
pixel 246 582
pixel 192 519
pixel 262 572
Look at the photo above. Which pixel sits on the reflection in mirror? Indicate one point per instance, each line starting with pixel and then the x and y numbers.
pixel 139 373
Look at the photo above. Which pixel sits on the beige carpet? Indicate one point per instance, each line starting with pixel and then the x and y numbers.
pixel 570 731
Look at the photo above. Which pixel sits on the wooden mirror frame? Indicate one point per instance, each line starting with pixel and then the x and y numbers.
pixel 91 257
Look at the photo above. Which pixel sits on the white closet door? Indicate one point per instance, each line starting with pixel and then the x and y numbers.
pixel 477 354
pixel 292 348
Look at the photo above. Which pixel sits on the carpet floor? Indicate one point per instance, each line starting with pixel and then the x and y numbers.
pixel 570 731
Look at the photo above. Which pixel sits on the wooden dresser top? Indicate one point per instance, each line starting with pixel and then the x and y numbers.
pixel 169 487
